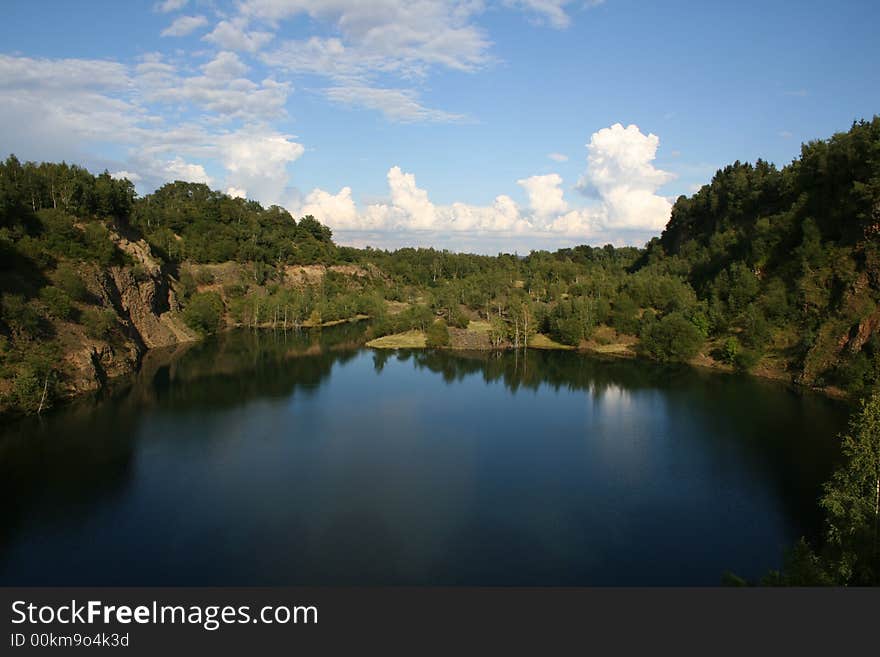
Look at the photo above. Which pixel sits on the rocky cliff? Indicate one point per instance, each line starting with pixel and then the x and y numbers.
pixel 142 298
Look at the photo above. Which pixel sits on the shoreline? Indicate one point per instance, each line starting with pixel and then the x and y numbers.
pixel 615 350
pixel 416 340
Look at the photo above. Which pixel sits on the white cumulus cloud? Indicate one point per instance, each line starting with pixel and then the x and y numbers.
pixel 545 194
pixel 235 35
pixel 620 176
pixel 256 159
pixel 178 169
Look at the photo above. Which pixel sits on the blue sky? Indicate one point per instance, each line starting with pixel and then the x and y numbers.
pixel 467 125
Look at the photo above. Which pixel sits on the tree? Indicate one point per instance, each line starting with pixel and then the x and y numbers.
pixel 437 334
pixel 203 312
pixel 57 302
pixel 852 500
pixel 673 338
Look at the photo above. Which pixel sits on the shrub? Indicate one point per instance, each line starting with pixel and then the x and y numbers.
pixel 19 315
pixel 139 273
pixel 187 283
pixel 730 350
pixel 234 290
pixel 27 389
pixel 568 330
pixel 437 334
pixel 57 302
pixel 99 322
pixel 458 319
pixel 100 247
pixel 673 338
pixel 746 359
pixel 204 277
pixel 204 312
pixel 69 280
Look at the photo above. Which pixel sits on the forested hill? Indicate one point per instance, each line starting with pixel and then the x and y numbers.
pixel 789 258
pixel 770 270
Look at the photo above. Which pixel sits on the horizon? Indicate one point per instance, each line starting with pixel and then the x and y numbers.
pixel 477 128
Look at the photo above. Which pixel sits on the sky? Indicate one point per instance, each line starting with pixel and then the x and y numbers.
pixel 471 125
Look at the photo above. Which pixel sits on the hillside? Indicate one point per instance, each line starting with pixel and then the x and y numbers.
pixel 787 260
pixel 774 271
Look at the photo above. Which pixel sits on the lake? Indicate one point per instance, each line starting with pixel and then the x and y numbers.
pixel 306 459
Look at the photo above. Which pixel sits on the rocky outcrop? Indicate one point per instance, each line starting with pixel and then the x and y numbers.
pixel 147 299
pixel 142 297
pixel 849 329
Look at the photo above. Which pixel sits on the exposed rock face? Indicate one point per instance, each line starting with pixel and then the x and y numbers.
pixel 302 275
pixel 857 319
pixel 866 328
pixel 144 302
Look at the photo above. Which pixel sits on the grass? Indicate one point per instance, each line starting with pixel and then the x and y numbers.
pixel 335 322
pixel 613 348
pixel 478 326
pixel 541 341
pixel 408 340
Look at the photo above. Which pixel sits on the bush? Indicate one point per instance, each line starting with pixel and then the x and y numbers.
pixel 57 302
pixel 69 280
pixel 568 330
pixel 673 338
pixel 33 387
pixel 139 273
pixel 99 322
pixel 19 315
pixel 187 283
pixel 204 312
pixel 624 315
pixel 746 359
pixel 458 319
pixel 204 277
pixel 234 290
pixel 437 334
pixel 730 350
pixel 100 247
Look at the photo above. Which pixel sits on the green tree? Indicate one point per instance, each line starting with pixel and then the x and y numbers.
pixel 673 338
pixel 204 312
pixel 852 500
pixel 730 350
pixel 437 334
pixel 71 282
pixel 57 302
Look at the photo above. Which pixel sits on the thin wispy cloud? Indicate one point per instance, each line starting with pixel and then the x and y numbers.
pixel 184 25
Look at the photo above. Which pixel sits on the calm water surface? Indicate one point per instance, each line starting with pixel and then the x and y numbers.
pixel 305 459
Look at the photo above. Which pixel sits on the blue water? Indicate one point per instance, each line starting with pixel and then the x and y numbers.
pixel 269 459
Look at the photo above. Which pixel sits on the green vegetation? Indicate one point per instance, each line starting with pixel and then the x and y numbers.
pixel 762 267
pixel 437 334
pixel 99 323
pixel 673 338
pixel 852 501
pixel 191 222
pixel 540 341
pixel 407 340
pixel 850 554
pixel 204 312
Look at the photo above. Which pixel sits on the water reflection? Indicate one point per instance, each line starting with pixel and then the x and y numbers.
pixel 302 458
